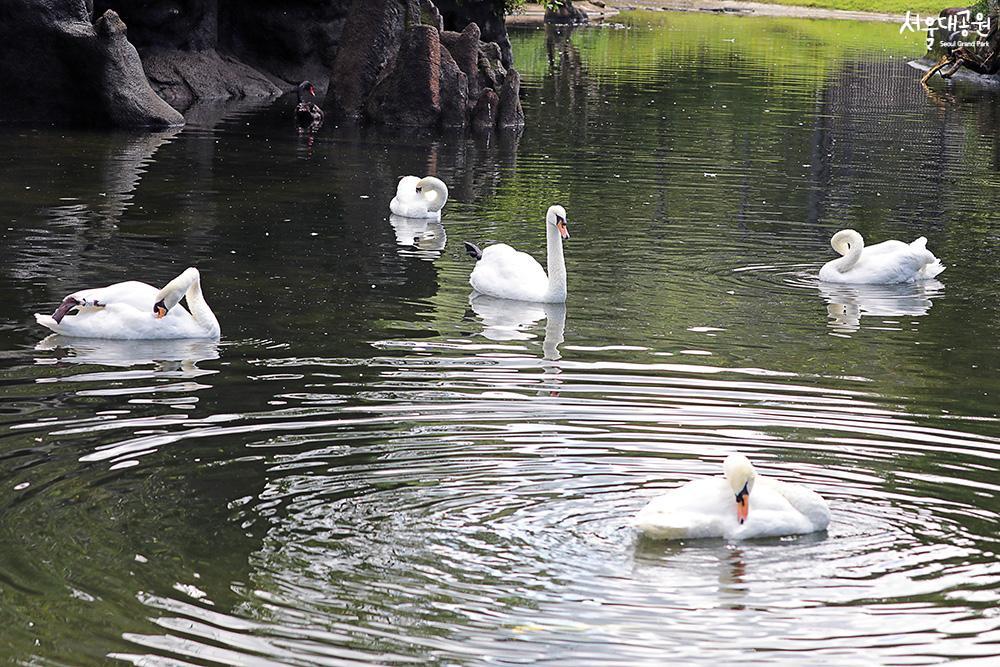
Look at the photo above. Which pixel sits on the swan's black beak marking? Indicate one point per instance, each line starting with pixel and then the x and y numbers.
pixel 68 304
pixel 419 188
pixel 561 226
pixel 160 310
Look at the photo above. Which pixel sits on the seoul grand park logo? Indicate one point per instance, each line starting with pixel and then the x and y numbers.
pixel 962 28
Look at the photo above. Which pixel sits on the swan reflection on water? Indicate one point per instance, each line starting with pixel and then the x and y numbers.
pixel 173 356
pixel 846 304
pixel 419 236
pixel 504 319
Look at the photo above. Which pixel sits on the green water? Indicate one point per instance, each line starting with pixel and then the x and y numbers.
pixel 368 468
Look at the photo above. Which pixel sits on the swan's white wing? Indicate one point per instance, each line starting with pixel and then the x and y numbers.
pixel 509 274
pixel 133 293
pixel 805 502
pixel 120 321
pixel 884 247
pixel 701 508
pixel 406 190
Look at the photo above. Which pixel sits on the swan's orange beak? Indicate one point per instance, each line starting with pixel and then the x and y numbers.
pixel 743 503
pixel 561 226
pixel 160 310
pixel 743 507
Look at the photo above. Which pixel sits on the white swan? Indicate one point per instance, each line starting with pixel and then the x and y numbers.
pixel 134 311
pixel 506 273
pixel 881 264
pixel 419 197
pixel 720 507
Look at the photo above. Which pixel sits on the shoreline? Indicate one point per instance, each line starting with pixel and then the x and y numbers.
pixel 534 14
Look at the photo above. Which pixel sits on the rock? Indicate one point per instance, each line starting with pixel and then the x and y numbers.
pixel 126 93
pixel 486 14
pixel 439 78
pixel 389 61
pixel 491 69
pixel 430 15
pixel 454 87
pixel 410 92
pixel 484 115
pixel 510 112
pixel 370 40
pixel 58 67
pixel 183 77
pixel 220 49
pixel 464 48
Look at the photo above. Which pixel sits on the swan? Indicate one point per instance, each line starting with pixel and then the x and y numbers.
pixel 136 311
pixel 881 264
pixel 308 115
pixel 506 273
pixel 419 197
pixel 720 507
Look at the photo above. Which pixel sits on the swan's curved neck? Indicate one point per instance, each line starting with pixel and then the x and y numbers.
pixel 556 264
pixel 200 310
pixel 188 284
pixel 437 202
pixel 851 252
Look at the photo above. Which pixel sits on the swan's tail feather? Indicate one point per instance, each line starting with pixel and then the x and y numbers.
pixel 46 321
pixel 473 250
pixel 931 270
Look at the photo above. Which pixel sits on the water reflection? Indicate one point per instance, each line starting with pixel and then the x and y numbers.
pixel 847 304
pixel 504 319
pixel 422 237
pixel 183 355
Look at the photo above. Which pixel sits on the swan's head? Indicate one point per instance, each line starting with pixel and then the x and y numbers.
pixel 557 218
pixel 68 304
pixel 434 191
pixel 846 240
pixel 740 475
pixel 174 291
pixel 306 89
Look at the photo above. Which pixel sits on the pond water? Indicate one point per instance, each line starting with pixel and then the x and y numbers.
pixel 370 469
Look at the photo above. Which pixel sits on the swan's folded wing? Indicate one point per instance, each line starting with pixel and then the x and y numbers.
pixel 696 509
pixel 131 293
pixel 406 190
pixel 806 502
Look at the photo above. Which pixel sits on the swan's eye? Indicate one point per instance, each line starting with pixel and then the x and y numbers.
pixel 743 493
pixel 848 246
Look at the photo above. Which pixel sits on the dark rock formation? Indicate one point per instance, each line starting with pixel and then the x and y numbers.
pixel 488 15
pixel 386 61
pixel 205 49
pixel 411 94
pixel 58 67
pixel 372 40
pixel 395 66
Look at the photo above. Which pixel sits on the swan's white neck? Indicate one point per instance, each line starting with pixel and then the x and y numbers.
pixel 437 202
pixel 851 251
pixel 556 265
pixel 188 284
